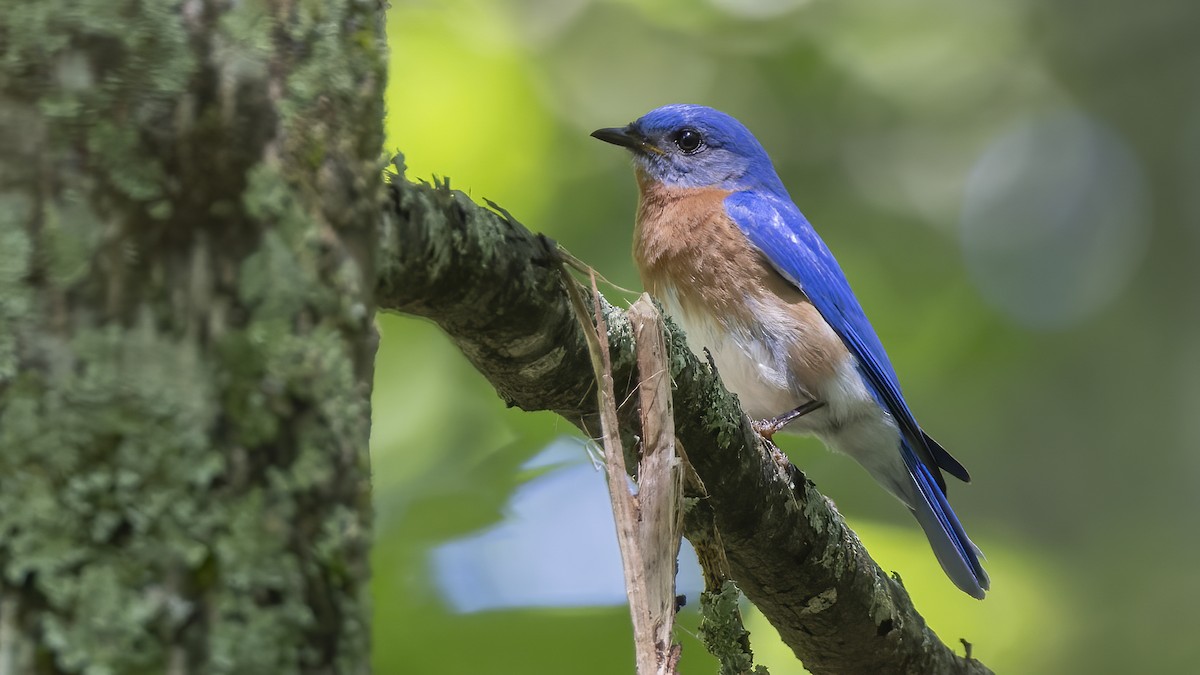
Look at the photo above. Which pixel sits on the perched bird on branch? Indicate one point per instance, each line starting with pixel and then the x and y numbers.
pixel 722 246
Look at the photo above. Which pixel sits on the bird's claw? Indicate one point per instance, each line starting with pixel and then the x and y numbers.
pixel 769 427
pixel 766 428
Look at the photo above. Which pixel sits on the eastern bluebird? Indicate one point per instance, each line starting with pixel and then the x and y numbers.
pixel 721 245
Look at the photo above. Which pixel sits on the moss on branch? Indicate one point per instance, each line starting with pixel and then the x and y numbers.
pixel 494 288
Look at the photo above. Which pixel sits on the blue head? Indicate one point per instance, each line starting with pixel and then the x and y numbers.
pixel 695 146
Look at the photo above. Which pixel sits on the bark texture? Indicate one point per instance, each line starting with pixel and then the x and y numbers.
pixel 495 289
pixel 188 205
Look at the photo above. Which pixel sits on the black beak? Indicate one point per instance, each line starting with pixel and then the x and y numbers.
pixel 626 137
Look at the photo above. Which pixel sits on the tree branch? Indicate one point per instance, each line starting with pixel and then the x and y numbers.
pixel 494 288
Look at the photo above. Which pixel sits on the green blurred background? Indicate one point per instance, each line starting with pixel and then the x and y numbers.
pixel 1012 188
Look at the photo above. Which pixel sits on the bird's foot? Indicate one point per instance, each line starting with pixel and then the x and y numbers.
pixel 769 427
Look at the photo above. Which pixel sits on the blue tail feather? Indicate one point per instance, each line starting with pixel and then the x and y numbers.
pixel 957 554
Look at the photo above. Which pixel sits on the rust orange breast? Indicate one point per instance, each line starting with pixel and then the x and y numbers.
pixel 683 239
pixel 686 244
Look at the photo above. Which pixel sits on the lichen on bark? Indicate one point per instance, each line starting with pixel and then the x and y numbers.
pixel 188 194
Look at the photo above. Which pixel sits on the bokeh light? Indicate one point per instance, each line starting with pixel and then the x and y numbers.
pixel 1055 219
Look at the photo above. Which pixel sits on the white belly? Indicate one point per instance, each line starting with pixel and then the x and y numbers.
pixel 752 364
pixel 747 364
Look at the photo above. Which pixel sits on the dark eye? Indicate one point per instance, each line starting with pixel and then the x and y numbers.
pixel 688 140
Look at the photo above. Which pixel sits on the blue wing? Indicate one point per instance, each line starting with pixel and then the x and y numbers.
pixel 776 227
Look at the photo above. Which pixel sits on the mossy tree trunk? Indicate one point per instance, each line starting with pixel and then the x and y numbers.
pixel 188 199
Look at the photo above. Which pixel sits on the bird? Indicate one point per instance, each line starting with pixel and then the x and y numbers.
pixel 720 243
